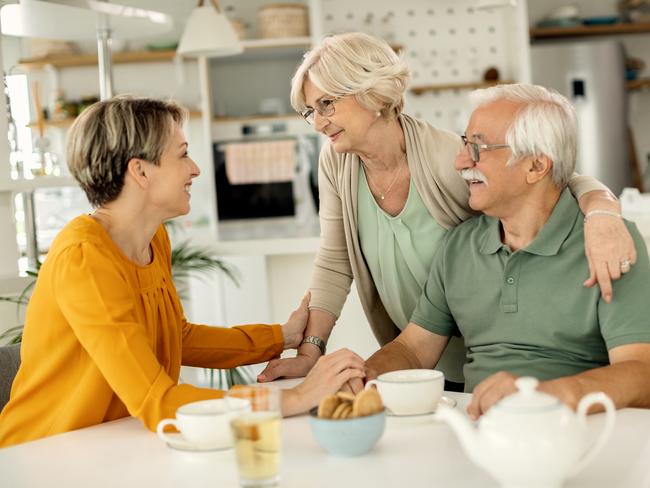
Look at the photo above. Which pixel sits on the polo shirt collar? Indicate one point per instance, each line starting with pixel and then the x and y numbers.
pixel 549 240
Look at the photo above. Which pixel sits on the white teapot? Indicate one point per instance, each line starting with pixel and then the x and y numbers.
pixel 530 439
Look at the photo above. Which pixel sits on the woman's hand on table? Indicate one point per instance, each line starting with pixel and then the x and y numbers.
pixel 293 330
pixel 327 377
pixel 296 367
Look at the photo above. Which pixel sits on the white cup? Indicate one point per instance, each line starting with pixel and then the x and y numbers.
pixel 205 423
pixel 410 391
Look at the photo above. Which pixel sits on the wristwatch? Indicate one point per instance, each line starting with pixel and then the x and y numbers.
pixel 316 341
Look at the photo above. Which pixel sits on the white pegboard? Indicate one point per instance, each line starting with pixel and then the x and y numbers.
pixel 444 42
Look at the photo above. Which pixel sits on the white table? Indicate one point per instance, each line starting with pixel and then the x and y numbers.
pixel 124 454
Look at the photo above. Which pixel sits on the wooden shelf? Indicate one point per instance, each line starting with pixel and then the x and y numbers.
pixel 251 46
pixel 67 122
pixel 151 56
pixel 639 84
pixel 589 30
pixel 91 59
pixel 421 89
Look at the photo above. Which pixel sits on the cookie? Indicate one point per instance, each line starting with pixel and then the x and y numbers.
pixel 347 412
pixel 367 402
pixel 342 411
pixel 346 396
pixel 327 406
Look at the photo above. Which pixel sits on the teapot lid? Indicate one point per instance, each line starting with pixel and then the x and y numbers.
pixel 528 399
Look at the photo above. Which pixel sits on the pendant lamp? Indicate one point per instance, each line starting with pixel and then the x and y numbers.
pixel 209 33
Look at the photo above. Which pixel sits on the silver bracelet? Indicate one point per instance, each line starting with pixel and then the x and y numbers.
pixel 316 341
pixel 609 213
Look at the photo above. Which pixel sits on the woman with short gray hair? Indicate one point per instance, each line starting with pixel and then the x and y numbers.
pixel 105 334
pixel 388 192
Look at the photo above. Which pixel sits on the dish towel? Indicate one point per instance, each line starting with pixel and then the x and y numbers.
pixel 260 162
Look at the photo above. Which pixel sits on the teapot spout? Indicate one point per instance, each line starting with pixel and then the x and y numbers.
pixel 464 430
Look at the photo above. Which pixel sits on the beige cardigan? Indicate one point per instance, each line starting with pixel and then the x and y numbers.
pixel 430 153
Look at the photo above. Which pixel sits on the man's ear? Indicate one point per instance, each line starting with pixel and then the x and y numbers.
pixel 136 169
pixel 539 167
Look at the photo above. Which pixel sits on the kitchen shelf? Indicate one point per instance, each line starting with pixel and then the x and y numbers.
pixel 639 84
pixel 151 56
pixel 91 59
pixel 17 186
pixel 251 46
pixel 537 33
pixel 421 89
pixel 67 122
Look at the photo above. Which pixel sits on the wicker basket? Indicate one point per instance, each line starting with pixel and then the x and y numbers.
pixel 283 20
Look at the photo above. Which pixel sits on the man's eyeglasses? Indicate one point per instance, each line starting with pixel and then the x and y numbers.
pixel 475 149
pixel 324 107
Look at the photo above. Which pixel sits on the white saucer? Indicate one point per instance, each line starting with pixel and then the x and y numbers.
pixel 444 400
pixel 178 442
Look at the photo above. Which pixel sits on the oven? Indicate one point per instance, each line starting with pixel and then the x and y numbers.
pixel 266 175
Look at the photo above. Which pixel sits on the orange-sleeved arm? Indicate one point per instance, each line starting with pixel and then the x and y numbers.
pixel 224 348
pixel 98 302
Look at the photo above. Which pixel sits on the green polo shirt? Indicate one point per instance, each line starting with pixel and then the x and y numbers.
pixel 527 312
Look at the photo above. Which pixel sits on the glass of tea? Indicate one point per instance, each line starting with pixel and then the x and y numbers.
pixel 257 436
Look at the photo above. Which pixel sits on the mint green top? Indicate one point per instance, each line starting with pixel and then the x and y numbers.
pixel 398 250
pixel 527 312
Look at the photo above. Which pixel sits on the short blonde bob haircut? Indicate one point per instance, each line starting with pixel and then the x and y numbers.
pixel 354 64
pixel 108 134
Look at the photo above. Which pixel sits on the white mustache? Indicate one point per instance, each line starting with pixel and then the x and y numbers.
pixel 472 174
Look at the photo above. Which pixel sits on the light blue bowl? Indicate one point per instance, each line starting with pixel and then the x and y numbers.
pixel 348 437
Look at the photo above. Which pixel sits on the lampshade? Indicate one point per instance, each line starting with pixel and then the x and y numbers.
pixel 77 20
pixel 208 32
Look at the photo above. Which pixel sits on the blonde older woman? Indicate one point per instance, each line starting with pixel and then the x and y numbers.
pixel 105 334
pixel 389 191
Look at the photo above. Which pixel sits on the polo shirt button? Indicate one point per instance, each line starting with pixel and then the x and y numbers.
pixel 510 280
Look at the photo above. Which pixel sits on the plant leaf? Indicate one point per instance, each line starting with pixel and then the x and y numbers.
pixel 188 260
pixel 13 334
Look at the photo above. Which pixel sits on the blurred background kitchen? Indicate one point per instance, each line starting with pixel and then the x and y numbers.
pixel 255 204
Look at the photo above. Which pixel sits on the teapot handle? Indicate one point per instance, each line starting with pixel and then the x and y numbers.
pixel 610 417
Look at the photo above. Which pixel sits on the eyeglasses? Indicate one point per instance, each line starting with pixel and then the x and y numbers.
pixel 475 149
pixel 324 107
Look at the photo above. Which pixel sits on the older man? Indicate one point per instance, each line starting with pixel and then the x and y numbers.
pixel 510 279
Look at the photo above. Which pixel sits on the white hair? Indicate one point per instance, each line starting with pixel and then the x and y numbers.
pixel 545 125
pixel 354 64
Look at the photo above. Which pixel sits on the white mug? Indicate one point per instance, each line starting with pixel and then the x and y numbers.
pixel 410 391
pixel 205 423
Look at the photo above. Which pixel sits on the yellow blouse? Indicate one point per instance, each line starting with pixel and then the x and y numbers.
pixel 104 338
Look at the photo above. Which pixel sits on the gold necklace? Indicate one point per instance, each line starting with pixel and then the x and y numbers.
pixel 382 194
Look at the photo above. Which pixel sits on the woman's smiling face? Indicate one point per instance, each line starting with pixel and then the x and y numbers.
pixel 171 178
pixel 347 128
